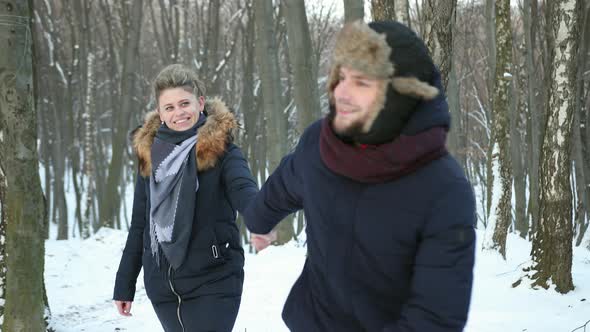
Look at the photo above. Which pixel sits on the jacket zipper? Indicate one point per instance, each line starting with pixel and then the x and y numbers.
pixel 177 295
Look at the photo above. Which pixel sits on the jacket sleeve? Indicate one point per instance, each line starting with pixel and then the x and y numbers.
pixel 240 186
pixel 279 196
pixel 130 264
pixel 443 272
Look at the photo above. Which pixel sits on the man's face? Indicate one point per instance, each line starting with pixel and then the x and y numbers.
pixel 356 98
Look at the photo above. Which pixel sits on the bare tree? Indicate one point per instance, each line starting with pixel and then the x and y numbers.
pixel 517 148
pixel 211 51
pixel 170 24
pixel 552 242
pixel 530 25
pixel 22 200
pixel 585 106
pixel 110 201
pixel 402 12
pixel 354 10
pixel 439 24
pixel 491 61
pixel 501 124
pixel 57 98
pixel 88 143
pixel 268 67
pixel 323 27
pixel 580 140
pixel 384 9
pixel 3 223
pixel 304 72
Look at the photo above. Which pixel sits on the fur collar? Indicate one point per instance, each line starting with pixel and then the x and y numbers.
pixel 214 136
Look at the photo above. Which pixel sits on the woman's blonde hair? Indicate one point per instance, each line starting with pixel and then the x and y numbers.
pixel 178 76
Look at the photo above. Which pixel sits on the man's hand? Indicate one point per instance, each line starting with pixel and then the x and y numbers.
pixel 124 307
pixel 261 241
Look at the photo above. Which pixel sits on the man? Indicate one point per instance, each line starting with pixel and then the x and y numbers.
pixel 390 214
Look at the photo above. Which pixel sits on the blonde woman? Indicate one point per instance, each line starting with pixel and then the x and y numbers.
pixel 192 179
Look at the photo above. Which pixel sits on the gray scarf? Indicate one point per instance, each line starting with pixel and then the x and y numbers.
pixel 173 191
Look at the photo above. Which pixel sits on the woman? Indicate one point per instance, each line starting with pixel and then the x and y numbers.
pixel 191 181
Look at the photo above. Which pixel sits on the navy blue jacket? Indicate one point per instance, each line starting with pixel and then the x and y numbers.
pixel 393 256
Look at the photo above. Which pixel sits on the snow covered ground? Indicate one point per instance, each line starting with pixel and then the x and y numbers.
pixel 80 275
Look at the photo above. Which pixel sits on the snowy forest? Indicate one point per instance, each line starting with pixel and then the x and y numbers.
pixel 75 81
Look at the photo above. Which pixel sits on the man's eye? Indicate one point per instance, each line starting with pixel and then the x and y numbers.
pixel 168 109
pixel 184 104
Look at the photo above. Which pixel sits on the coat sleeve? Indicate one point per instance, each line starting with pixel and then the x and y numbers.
pixel 280 196
pixel 443 271
pixel 130 264
pixel 240 186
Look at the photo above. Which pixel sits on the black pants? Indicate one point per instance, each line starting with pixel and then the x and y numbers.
pixel 212 313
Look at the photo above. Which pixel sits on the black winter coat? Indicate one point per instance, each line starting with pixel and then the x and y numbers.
pixel 393 256
pixel 215 258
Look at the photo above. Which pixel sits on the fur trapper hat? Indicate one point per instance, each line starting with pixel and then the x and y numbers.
pixel 389 51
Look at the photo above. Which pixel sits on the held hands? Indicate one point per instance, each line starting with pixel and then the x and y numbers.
pixel 261 241
pixel 124 307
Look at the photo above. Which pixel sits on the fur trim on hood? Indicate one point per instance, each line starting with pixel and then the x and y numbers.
pixel 213 138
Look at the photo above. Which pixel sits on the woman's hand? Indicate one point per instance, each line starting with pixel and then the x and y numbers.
pixel 261 241
pixel 124 307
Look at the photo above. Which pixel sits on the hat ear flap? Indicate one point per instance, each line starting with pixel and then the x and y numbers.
pixel 412 86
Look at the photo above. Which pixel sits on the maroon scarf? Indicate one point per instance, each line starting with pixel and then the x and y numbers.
pixel 384 162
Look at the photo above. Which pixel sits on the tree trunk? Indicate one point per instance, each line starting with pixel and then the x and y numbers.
pixel 111 200
pixel 501 123
pixel 491 49
pixel 46 71
pixel 304 74
pixel 383 10
pixel 580 139
pixel 60 208
pixel 440 17
pixel 19 165
pixel 518 110
pixel 402 12
pixel 268 67
pixel 247 103
pixel 159 40
pixel 88 144
pixel 552 243
pixel 170 27
pixel 212 49
pixel 3 223
pixel 80 66
pixel 580 221
pixel 534 117
pixel 353 10
pixel 46 157
pixel 584 113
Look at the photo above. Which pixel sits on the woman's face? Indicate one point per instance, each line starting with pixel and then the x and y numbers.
pixel 179 109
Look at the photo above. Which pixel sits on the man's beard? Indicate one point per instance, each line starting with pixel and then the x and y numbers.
pixel 346 134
